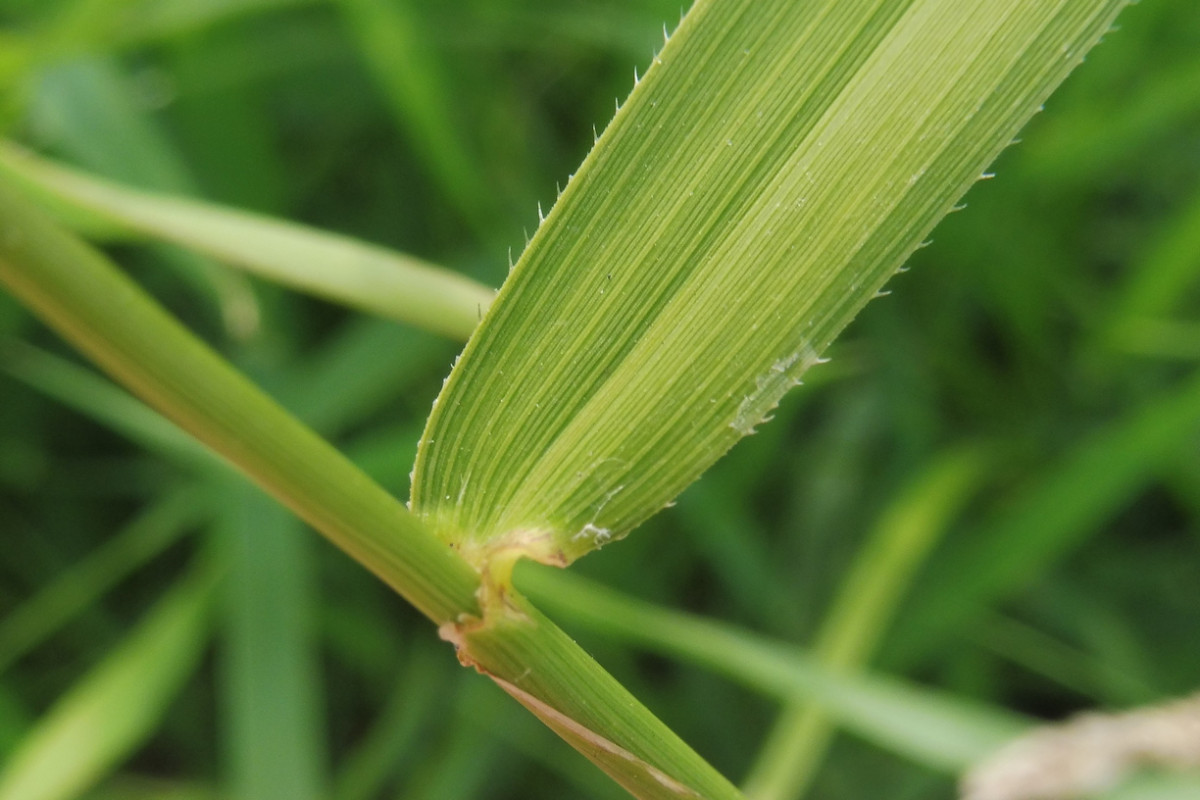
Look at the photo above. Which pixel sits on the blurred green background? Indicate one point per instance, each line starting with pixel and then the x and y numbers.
pixel 1052 328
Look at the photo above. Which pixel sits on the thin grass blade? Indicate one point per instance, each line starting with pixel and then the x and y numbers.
pixel 32 622
pixel 1058 511
pixel 861 611
pixel 89 394
pixel 414 79
pixel 338 268
pixel 114 708
pixel 932 728
pixel 87 109
pixel 1166 273
pixel 271 693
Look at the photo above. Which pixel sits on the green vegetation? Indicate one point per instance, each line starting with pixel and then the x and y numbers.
pixel 982 512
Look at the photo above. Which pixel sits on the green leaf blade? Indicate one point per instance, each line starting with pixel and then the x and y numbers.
pixel 775 167
pixel 117 705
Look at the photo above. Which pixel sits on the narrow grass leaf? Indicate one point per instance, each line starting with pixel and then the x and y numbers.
pixel 80 585
pixel 164 19
pixel 105 716
pixel 861 611
pixel 1060 510
pixel 388 745
pixel 414 81
pixel 91 395
pixel 1082 670
pixel 775 166
pixel 87 109
pixel 1165 274
pixel 929 727
pixel 338 268
pixel 271 690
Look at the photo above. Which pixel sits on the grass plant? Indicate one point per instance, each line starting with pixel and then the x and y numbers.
pixel 981 514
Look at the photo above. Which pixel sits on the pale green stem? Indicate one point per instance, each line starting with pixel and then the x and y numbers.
pixel 100 311
pixel 338 268
pixel 106 316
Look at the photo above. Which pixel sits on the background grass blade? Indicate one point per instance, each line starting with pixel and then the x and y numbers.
pixel 86 108
pixel 272 702
pixel 414 80
pixel 30 623
pixel 168 18
pixel 1161 280
pixel 397 728
pixel 932 728
pixel 861 611
pixel 338 268
pixel 93 396
pixel 1056 514
pixel 778 162
pixel 111 710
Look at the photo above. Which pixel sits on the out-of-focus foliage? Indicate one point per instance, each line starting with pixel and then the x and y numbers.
pixel 1055 325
